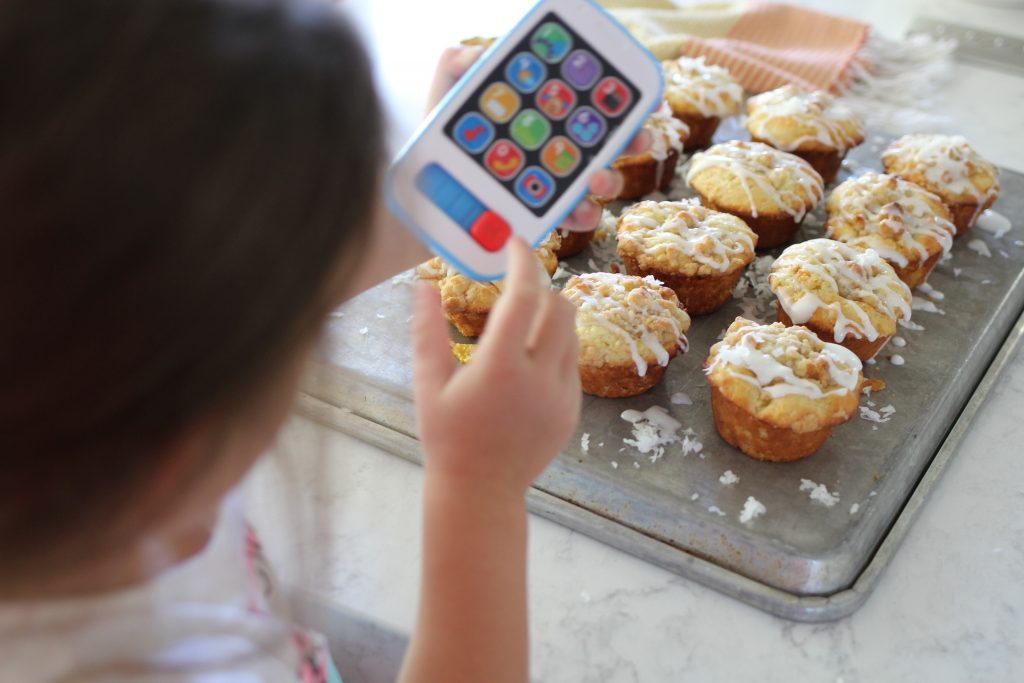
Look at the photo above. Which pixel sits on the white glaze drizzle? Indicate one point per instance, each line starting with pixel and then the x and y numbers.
pixel 860 277
pixel 625 311
pixel 703 235
pixel 667 132
pixel 757 164
pixel 946 162
pixel 709 89
pixel 760 349
pixel 888 209
pixel 832 123
pixel 994 223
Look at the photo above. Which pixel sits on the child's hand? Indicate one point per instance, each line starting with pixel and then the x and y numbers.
pixel 497 423
pixel 454 63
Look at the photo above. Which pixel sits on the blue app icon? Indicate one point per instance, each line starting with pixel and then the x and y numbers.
pixel 535 186
pixel 525 72
pixel 473 132
pixel 586 126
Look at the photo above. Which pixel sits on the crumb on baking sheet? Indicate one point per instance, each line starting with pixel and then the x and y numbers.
pixel 819 493
pixel 752 509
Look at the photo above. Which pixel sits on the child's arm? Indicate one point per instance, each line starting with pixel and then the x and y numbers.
pixel 488 430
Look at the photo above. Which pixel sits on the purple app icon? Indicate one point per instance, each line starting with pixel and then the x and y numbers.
pixel 581 69
pixel 585 126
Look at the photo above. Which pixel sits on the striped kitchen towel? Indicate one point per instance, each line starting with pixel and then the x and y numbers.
pixel 765 45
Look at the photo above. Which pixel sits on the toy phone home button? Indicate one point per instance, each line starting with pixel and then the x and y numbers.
pixel 487 228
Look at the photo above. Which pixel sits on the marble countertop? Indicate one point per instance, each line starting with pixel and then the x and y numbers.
pixel 341 519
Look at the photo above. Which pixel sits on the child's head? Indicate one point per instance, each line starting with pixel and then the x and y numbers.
pixel 184 187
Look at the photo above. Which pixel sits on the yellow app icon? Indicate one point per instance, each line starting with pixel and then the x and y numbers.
pixel 499 102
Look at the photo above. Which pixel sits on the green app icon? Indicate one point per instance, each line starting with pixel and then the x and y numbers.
pixel 551 42
pixel 530 129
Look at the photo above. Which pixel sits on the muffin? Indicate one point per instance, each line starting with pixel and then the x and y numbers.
pixel 770 190
pixel 654 169
pixel 629 328
pixel 467 303
pixel 813 125
pixel 949 167
pixel 844 294
pixel 572 242
pixel 700 95
pixel 699 252
pixel 777 391
pixel 908 226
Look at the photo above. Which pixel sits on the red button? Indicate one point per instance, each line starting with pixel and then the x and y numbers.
pixel 611 96
pixel 491 231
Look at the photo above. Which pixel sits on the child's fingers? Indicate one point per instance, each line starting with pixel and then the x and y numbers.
pixel 553 331
pixel 639 144
pixel 509 322
pixel 606 183
pixel 454 63
pixel 433 363
pixel 585 217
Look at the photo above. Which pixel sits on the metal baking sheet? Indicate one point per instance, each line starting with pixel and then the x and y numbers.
pixel 801 559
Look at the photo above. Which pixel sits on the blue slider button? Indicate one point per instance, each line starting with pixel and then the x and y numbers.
pixel 449 196
pixel 487 228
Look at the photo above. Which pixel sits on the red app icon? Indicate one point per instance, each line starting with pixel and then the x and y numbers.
pixel 504 159
pixel 556 99
pixel 611 96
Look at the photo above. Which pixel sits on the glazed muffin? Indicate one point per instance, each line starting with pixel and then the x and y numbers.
pixel 844 294
pixel 907 225
pixel 698 252
pixel 572 242
pixel 770 190
pixel 629 328
pixel 813 125
pixel 467 303
pixel 700 95
pixel 777 392
pixel 654 169
pixel 948 166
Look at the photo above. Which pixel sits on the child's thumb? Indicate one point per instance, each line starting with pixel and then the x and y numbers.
pixel 433 362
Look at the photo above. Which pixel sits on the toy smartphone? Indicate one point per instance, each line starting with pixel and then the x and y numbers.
pixel 511 149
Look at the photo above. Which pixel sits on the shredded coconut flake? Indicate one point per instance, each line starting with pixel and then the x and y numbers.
pixel 585 442
pixel 728 478
pixel 691 443
pixel 854 508
pixel 715 509
pixel 957 271
pixel 866 413
pixel 653 429
pixel 364 330
pixel 819 493
pixel 695 496
pixel 751 510
pixel 615 465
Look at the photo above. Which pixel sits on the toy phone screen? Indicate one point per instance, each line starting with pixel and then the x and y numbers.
pixel 538 119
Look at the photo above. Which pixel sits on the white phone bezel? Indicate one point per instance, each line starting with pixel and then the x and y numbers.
pixel 431 145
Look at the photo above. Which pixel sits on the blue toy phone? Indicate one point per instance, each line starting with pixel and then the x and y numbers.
pixel 512 147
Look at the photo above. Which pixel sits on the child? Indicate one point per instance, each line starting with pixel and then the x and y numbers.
pixel 186 187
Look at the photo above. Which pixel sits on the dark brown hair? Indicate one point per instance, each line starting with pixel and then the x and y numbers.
pixel 179 180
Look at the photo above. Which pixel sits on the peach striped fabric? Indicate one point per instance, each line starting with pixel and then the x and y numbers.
pixel 775 44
